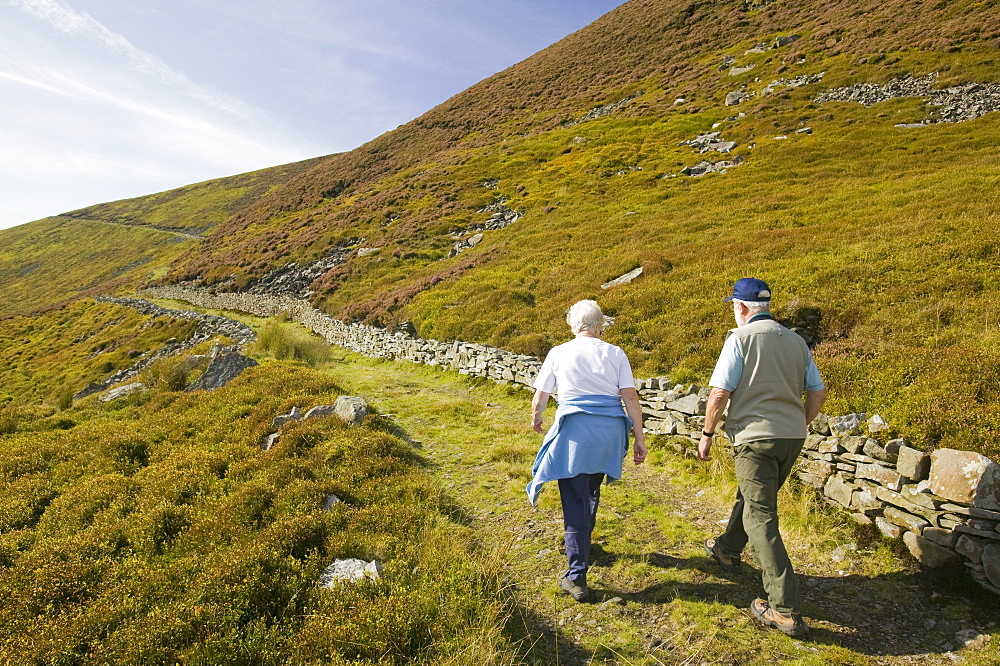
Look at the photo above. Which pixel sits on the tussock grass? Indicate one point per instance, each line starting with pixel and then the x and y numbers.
pixel 286 341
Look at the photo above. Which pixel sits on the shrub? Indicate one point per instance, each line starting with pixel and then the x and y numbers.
pixel 284 341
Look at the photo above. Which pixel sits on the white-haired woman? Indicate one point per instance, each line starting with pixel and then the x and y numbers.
pixel 589 438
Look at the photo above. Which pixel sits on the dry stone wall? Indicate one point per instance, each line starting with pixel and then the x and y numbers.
pixel 945 505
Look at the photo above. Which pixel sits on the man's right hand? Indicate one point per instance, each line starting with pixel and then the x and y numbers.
pixel 705 448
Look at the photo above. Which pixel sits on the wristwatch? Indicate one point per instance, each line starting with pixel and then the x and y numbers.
pixel 707 434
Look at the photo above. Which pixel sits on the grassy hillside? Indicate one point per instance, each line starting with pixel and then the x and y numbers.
pixel 119 245
pixel 881 238
pixel 154 529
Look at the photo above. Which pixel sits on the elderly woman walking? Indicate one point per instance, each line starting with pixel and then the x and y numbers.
pixel 589 438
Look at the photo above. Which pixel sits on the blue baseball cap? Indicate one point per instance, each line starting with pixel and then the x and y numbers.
pixel 750 289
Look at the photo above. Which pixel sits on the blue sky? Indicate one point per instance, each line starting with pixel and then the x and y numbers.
pixel 109 99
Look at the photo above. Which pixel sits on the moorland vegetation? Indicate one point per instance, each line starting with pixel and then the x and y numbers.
pixel 119 519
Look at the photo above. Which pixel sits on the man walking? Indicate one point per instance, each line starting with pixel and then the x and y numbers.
pixel 762 373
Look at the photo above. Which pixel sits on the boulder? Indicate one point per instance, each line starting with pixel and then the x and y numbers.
pixel 224 368
pixel 349 570
pixel 966 477
pixel 352 409
pixel 928 553
pixel 330 502
pixel 319 411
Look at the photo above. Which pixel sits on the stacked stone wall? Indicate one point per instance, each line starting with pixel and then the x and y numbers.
pixel 944 505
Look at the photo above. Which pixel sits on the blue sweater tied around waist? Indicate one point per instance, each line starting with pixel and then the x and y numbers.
pixel 589 436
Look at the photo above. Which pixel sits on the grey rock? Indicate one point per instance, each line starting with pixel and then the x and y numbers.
pixel 689 404
pixel 928 553
pixel 736 96
pixel 736 71
pixel 839 490
pixel 270 441
pixel 966 477
pixel 294 415
pixel 121 391
pixel 889 530
pixel 991 563
pixel 821 425
pixel 876 423
pixel 223 369
pixel 349 570
pixel 352 409
pixel 970 547
pixel 848 425
pixel 624 279
pixel 319 411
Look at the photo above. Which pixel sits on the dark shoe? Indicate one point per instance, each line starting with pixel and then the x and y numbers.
pixel 578 591
pixel 787 623
pixel 729 563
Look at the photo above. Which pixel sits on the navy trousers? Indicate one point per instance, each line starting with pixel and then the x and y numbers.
pixel 580 496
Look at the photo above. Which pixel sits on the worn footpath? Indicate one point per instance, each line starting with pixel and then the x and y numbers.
pixel 658 599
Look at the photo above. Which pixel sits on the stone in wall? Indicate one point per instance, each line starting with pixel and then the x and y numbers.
pixel 991 563
pixel 966 477
pixel 913 463
pixel 839 491
pixel 845 426
pixel 928 553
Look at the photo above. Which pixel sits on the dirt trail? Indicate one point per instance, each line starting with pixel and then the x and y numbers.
pixel 658 599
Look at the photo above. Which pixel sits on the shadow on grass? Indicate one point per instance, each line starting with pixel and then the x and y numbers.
pixel 540 642
pixel 893 614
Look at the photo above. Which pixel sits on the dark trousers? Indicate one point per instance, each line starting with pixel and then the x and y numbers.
pixel 580 496
pixel 761 469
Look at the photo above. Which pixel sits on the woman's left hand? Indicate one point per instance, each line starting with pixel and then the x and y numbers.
pixel 639 452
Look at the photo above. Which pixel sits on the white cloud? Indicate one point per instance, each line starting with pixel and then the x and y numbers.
pixel 64 18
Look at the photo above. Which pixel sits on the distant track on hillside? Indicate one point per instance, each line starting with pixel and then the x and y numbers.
pixel 152 227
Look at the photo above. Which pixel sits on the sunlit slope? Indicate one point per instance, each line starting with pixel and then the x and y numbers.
pixel 48 261
pixel 118 245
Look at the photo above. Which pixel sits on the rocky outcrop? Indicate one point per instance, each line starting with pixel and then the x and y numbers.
pixel 224 367
pixel 623 279
pixel 500 217
pixel 604 110
pixel 706 167
pixel 294 280
pixel 710 142
pixel 953 105
pixel 209 326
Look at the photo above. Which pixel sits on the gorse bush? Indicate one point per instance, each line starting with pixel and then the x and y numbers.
pixel 284 341
pixel 160 532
